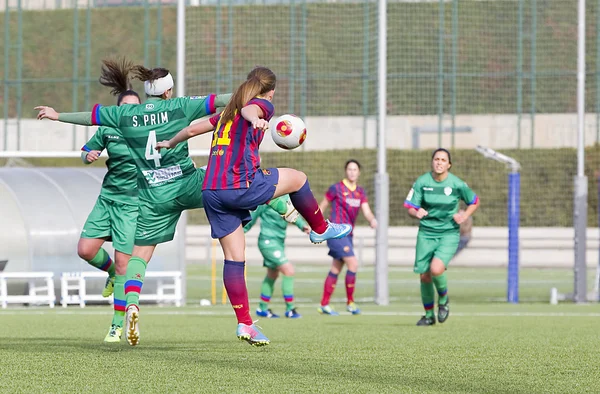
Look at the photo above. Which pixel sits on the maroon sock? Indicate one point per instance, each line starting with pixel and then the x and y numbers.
pixel 350 282
pixel 305 202
pixel 235 284
pixel 330 283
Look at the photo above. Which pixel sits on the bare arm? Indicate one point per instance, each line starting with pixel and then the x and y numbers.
pixel 187 133
pixel 324 205
pixel 460 218
pixel 417 213
pixel 253 114
pixel 366 210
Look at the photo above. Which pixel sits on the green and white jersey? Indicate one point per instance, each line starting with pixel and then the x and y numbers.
pixel 272 226
pixel 161 175
pixel 120 182
pixel 440 200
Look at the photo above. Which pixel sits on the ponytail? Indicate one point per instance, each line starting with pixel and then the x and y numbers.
pixel 115 75
pixel 259 81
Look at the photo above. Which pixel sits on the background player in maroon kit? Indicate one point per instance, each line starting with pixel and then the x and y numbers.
pixel 235 184
pixel 346 199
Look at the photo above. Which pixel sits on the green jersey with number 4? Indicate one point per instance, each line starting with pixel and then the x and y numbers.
pixel 120 182
pixel 161 175
pixel 440 200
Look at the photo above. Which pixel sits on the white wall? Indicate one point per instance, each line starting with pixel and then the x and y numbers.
pixel 325 133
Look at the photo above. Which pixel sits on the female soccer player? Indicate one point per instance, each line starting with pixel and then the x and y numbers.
pixel 235 184
pixel 115 214
pixel 168 183
pixel 434 200
pixel 346 199
pixel 271 243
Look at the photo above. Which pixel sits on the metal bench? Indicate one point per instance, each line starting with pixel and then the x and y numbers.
pixel 73 288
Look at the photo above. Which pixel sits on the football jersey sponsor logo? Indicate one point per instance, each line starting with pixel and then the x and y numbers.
pixel 353 202
pixel 429 189
pixel 149 106
pixel 162 175
pixel 197 97
pixel 447 191
pixel 410 194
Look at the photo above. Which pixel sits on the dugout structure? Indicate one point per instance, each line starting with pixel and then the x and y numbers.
pixel 43 211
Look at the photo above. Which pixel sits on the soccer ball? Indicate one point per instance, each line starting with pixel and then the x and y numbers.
pixel 289 131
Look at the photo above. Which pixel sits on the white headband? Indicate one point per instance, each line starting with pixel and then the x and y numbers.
pixel 158 86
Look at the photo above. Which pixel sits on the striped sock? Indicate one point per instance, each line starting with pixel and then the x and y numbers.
pixel 428 297
pixel 134 280
pixel 119 301
pixel 287 286
pixel 266 291
pixel 103 262
pixel 329 287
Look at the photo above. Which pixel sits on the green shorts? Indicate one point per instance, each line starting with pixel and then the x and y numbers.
pixel 113 220
pixel 157 222
pixel 442 246
pixel 273 253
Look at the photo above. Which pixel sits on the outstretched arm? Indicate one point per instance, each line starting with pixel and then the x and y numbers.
pixel 187 133
pixel 80 118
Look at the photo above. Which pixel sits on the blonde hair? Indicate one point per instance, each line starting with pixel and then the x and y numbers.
pixel 259 81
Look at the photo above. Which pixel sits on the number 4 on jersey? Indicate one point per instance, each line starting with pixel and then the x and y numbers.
pixel 151 152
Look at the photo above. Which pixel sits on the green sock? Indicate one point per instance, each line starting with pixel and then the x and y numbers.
pixel 119 298
pixel 441 284
pixel 103 262
pixel 266 291
pixel 428 298
pixel 134 280
pixel 287 286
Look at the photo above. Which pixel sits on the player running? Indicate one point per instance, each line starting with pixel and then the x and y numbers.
pixel 235 185
pixel 434 200
pixel 271 243
pixel 115 214
pixel 346 199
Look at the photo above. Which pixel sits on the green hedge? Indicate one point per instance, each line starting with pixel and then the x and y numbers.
pixel 486 63
pixel 546 180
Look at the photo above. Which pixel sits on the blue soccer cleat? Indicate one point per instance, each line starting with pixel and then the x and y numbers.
pixel 252 335
pixel 292 314
pixel 353 308
pixel 334 231
pixel 268 313
pixel 327 310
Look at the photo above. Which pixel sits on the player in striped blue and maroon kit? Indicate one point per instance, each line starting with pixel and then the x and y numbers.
pixel 235 184
pixel 346 199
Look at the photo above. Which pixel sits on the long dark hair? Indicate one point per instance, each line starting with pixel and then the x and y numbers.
pixel 115 75
pixel 259 81
pixel 442 150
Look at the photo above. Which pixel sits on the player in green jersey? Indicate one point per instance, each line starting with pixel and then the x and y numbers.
pixel 271 243
pixel 434 200
pixel 115 214
pixel 168 182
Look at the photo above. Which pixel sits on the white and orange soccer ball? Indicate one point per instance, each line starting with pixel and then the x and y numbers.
pixel 289 131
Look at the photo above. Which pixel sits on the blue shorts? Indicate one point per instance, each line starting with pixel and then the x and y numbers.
pixel 340 248
pixel 228 209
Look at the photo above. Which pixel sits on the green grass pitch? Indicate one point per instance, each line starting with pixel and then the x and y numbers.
pixel 485 346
